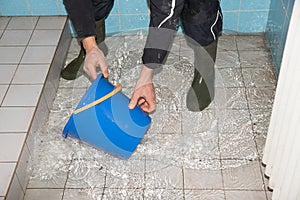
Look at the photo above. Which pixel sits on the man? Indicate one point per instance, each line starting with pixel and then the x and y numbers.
pixel 87 17
pixel 202 23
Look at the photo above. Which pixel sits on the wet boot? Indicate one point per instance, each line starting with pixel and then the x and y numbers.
pixel 201 92
pixel 75 68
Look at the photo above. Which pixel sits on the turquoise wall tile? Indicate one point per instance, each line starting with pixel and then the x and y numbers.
pixel 133 7
pixel 9 8
pixel 132 22
pixel 112 24
pixel 230 22
pixel 115 8
pixel 251 22
pixel 277 28
pixel 46 7
pixel 255 4
pixel 230 5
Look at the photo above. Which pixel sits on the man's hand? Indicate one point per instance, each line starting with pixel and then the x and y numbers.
pixel 94 58
pixel 144 92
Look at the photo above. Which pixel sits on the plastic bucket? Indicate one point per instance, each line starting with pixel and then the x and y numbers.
pixel 102 119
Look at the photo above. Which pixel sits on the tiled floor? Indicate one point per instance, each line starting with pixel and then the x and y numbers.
pixel 27 48
pixel 213 155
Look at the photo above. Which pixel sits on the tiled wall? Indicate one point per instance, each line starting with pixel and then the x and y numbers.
pixel 243 16
pixel 277 27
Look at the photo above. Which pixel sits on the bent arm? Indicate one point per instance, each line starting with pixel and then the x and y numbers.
pixel 81 13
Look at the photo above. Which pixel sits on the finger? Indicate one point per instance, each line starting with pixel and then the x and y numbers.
pixel 141 101
pixel 133 101
pixel 152 106
pixel 145 107
pixel 103 66
pixel 105 72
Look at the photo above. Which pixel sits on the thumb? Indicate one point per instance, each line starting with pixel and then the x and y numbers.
pixel 133 101
pixel 105 72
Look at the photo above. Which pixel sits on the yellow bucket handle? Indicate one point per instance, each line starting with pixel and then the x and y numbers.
pixel 118 87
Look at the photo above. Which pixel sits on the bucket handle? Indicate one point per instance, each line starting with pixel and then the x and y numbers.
pixel 118 87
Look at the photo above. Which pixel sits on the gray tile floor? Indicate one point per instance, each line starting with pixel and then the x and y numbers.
pixel 214 154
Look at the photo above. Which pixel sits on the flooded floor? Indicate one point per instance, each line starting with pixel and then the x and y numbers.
pixel 210 155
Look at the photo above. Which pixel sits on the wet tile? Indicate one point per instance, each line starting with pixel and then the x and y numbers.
pixel 11 55
pixel 24 74
pixel 45 37
pixel 15 119
pixel 249 195
pixel 227 43
pixel 83 194
pixel 86 174
pixel 41 55
pixel 260 141
pixel 243 177
pixel 67 98
pixel 10 146
pixel 235 121
pixel 162 176
pixel 235 98
pixel 46 194
pixel 187 55
pixel 258 77
pixel 260 98
pixel 125 174
pixel 175 46
pixel 229 77
pixel 227 59
pixel 15 37
pixel 200 146
pixel 257 59
pixel 204 194
pixel 163 194
pixel 48 173
pixel 135 42
pixel 22 95
pixel 165 121
pixel 6 173
pixel 237 146
pixel 3 90
pixel 172 58
pixel 161 147
pixel 51 22
pixel 261 120
pixel 21 23
pixel 202 179
pixel 255 42
pixel 119 194
pixel 199 122
pixel 80 82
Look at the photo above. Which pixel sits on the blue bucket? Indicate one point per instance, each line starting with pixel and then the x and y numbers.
pixel 102 119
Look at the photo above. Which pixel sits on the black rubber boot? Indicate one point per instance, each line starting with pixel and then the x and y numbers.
pixel 201 92
pixel 75 68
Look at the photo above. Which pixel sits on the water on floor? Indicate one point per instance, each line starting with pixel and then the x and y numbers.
pixel 213 154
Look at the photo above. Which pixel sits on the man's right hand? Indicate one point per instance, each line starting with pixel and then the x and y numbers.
pixel 144 92
pixel 94 58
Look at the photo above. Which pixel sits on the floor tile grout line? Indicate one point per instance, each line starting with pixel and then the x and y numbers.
pixel 252 128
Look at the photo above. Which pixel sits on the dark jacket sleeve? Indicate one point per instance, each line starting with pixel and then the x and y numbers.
pixel 81 13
